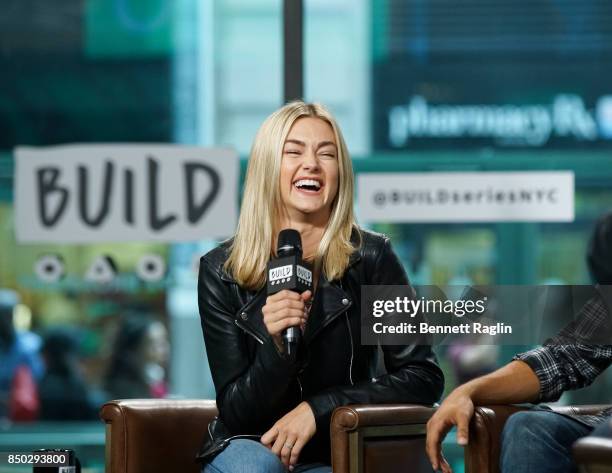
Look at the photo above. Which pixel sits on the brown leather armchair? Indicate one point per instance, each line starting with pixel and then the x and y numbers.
pixel 379 438
pixel 151 436
pixel 482 452
pixel 594 454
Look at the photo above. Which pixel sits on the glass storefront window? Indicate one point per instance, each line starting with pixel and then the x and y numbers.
pixel 416 86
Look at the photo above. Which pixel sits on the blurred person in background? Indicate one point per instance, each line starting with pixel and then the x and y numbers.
pixel 540 439
pixel 599 252
pixel 63 391
pixel 472 356
pixel 274 406
pixel 20 364
pixel 137 367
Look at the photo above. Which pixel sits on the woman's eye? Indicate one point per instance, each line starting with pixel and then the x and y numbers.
pixel 292 151
pixel 328 155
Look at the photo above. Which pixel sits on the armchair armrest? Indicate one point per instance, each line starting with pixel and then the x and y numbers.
pixel 379 438
pixel 154 435
pixel 593 454
pixel 483 449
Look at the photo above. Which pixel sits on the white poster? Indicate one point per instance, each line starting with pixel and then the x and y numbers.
pixel 124 192
pixel 466 197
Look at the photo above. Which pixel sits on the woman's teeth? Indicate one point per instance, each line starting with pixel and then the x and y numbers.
pixel 308 184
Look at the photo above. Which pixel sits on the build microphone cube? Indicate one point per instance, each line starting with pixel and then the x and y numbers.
pixel 289 272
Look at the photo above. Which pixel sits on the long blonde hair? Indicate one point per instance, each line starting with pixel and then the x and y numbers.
pixel 261 208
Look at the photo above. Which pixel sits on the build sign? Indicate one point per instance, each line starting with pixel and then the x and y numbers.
pixel 118 193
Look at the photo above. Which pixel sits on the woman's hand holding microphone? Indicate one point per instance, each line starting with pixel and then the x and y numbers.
pixel 283 310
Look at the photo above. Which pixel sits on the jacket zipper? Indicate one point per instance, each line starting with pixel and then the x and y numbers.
pixel 350 331
pixel 232 437
pixel 300 386
pixel 249 331
pixel 241 436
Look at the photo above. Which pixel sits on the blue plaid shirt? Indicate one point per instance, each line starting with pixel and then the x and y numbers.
pixel 571 360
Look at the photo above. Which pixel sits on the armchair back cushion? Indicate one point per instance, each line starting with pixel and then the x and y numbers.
pixel 155 436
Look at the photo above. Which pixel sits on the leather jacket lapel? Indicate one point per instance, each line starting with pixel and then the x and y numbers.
pixel 330 301
pixel 250 319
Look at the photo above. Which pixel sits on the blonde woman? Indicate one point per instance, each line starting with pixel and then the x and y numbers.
pixel 274 409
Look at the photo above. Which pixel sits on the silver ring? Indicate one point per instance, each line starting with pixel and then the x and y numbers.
pixel 288 445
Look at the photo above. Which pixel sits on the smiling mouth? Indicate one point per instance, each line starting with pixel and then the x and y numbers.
pixel 311 186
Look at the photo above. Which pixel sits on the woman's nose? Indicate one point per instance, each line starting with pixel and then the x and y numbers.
pixel 310 161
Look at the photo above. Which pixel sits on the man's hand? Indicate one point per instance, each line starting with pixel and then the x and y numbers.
pixel 513 383
pixel 288 435
pixel 457 409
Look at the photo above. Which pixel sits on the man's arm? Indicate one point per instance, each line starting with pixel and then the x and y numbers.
pixel 568 361
pixel 513 383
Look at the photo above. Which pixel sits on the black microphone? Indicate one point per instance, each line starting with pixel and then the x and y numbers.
pixel 289 271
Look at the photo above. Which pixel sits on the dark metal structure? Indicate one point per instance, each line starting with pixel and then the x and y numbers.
pixel 293 49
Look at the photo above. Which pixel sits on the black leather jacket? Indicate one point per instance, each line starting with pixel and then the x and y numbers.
pixel 256 385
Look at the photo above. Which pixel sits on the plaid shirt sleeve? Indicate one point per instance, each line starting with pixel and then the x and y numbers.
pixel 568 361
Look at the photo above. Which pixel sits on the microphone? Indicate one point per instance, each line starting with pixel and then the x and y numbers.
pixel 289 271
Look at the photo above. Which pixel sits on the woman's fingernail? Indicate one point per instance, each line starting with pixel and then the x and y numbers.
pixel 290 467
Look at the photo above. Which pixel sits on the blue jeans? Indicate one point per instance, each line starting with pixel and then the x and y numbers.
pixel 250 456
pixel 540 441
